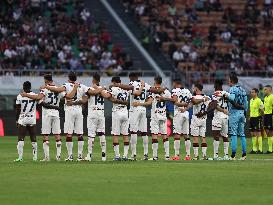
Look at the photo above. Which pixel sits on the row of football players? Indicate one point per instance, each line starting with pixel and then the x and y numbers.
pixel 141 95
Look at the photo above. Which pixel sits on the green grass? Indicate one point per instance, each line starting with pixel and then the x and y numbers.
pixel 142 182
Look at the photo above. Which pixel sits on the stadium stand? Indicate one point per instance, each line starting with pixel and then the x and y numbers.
pixel 38 35
pixel 208 38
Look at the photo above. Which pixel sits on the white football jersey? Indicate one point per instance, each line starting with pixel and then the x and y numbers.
pixel 81 91
pixel 51 98
pixel 95 102
pixel 142 98
pixel 183 95
pixel 201 107
pixel 28 106
pixel 159 106
pixel 221 103
pixel 119 94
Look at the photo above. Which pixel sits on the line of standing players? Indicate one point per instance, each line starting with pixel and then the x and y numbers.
pixel 139 95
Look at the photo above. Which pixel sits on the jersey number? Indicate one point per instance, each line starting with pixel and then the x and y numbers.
pixel 141 97
pixel 53 98
pixel 160 104
pixel 203 107
pixel 99 100
pixel 26 102
pixel 183 98
pixel 122 96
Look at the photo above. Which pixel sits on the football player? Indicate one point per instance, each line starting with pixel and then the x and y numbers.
pixel 181 97
pixel 50 116
pixel 73 114
pixel 158 117
pixel 198 122
pixel 120 119
pixel 26 121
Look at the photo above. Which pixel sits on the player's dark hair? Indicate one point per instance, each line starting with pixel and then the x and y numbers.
pixel 27 86
pixel 48 77
pixel 233 78
pixel 268 86
pixel 256 90
pixel 72 76
pixel 133 75
pixel 158 80
pixel 199 86
pixel 218 84
pixel 177 80
pixel 116 79
pixel 96 76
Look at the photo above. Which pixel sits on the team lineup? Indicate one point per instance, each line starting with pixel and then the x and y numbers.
pixel 230 113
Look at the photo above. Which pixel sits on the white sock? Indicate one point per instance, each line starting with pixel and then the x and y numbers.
pixel 80 147
pixel 103 143
pixel 59 148
pixel 125 150
pixel 69 147
pixel 204 151
pixel 176 147
pixel 215 148
pixel 195 151
pixel 46 149
pixel 90 144
pixel 155 148
pixel 116 149
pixel 133 144
pixel 188 147
pixel 20 148
pixel 167 148
pixel 34 149
pixel 226 145
pixel 145 144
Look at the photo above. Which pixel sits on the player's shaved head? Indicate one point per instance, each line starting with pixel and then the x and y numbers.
pixel 158 80
pixel 27 86
pixel 116 79
pixel 267 89
pixel 268 86
pixel 72 76
pixel 48 77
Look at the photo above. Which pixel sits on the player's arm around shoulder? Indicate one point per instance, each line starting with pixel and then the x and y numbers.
pixel 54 89
pixel 95 90
pixel 147 103
pixel 73 91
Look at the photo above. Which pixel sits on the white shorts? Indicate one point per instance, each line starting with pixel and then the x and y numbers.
pixel 198 127
pixel 28 120
pixel 120 122
pixel 73 122
pixel 158 126
pixel 181 123
pixel 220 124
pixel 95 123
pixel 50 123
pixel 138 121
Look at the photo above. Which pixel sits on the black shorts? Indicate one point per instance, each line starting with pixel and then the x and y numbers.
pixel 268 122
pixel 255 124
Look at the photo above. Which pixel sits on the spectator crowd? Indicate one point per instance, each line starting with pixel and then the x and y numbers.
pixel 209 35
pixel 56 35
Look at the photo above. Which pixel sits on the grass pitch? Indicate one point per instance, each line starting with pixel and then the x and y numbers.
pixel 142 182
